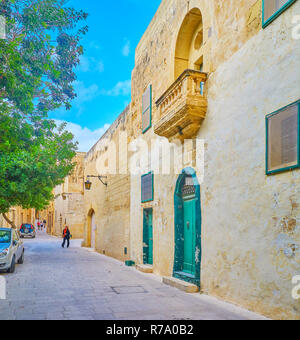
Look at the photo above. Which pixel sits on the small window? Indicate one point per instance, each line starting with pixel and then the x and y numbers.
pixel 147 109
pixel 283 139
pixel 188 188
pixel 273 8
pixel 147 187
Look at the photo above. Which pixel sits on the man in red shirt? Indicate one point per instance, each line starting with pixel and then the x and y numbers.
pixel 66 237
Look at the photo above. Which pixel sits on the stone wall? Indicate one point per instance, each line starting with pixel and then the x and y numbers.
pixel 111 203
pixel 250 221
pixel 70 211
pixel 18 216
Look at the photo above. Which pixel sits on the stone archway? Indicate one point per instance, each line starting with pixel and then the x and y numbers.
pixel 187 208
pixel 91 229
pixel 188 50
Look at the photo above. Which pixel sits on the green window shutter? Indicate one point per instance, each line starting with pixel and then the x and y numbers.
pixel 147 187
pixel 283 139
pixel 273 8
pixel 147 109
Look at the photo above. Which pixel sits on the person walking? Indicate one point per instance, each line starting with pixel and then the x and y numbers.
pixel 66 237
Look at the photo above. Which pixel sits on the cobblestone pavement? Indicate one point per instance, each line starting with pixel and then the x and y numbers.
pixel 75 283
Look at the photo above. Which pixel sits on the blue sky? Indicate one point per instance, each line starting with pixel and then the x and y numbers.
pixel 103 84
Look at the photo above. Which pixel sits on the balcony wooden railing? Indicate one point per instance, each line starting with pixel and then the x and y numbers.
pixel 182 107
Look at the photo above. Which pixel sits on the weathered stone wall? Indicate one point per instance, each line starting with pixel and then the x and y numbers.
pixel 111 203
pixel 226 25
pixel 18 216
pixel 249 220
pixel 71 210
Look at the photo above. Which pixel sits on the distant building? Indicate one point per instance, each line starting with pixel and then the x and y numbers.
pixel 18 216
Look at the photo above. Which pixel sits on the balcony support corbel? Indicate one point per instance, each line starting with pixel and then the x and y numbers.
pixel 181 117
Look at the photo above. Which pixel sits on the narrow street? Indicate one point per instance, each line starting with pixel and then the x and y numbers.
pixel 56 283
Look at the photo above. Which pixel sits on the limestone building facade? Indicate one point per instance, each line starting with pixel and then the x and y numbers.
pixel 19 216
pixel 68 206
pixel 200 175
pixel 48 216
pixel 107 204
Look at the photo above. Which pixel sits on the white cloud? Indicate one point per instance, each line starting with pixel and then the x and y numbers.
pixel 90 64
pixel 87 94
pixel 122 88
pixel 100 66
pixel 84 65
pixel 95 45
pixel 126 49
pixel 84 95
pixel 84 136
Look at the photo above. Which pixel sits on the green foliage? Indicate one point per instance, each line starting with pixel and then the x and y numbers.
pixel 38 58
pixel 37 63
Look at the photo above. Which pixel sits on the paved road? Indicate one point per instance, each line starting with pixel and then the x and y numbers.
pixel 56 283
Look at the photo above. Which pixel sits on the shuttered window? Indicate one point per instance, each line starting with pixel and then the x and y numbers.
pixel 273 8
pixel 147 109
pixel 283 139
pixel 147 187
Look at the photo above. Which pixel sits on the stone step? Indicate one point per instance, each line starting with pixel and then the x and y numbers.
pixel 144 268
pixel 182 285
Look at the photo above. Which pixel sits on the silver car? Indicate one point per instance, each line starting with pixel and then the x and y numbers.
pixel 11 250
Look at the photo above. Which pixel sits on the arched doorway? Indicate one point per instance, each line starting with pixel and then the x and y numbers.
pixel 188 51
pixel 187 207
pixel 91 230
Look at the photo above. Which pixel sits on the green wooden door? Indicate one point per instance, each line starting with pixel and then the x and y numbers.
pixel 150 226
pixel 148 236
pixel 189 236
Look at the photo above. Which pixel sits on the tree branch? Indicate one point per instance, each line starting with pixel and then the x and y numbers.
pixel 9 221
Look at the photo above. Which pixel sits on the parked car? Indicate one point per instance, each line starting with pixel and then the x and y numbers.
pixel 11 250
pixel 27 230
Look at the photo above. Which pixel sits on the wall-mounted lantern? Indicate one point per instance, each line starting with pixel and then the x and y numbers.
pixel 88 183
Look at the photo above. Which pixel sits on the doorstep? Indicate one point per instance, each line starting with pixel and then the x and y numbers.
pixel 182 285
pixel 144 268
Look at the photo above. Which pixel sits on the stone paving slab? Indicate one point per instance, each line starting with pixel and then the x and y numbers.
pixel 77 284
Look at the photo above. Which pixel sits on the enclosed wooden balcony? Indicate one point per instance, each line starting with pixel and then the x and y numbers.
pixel 182 108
